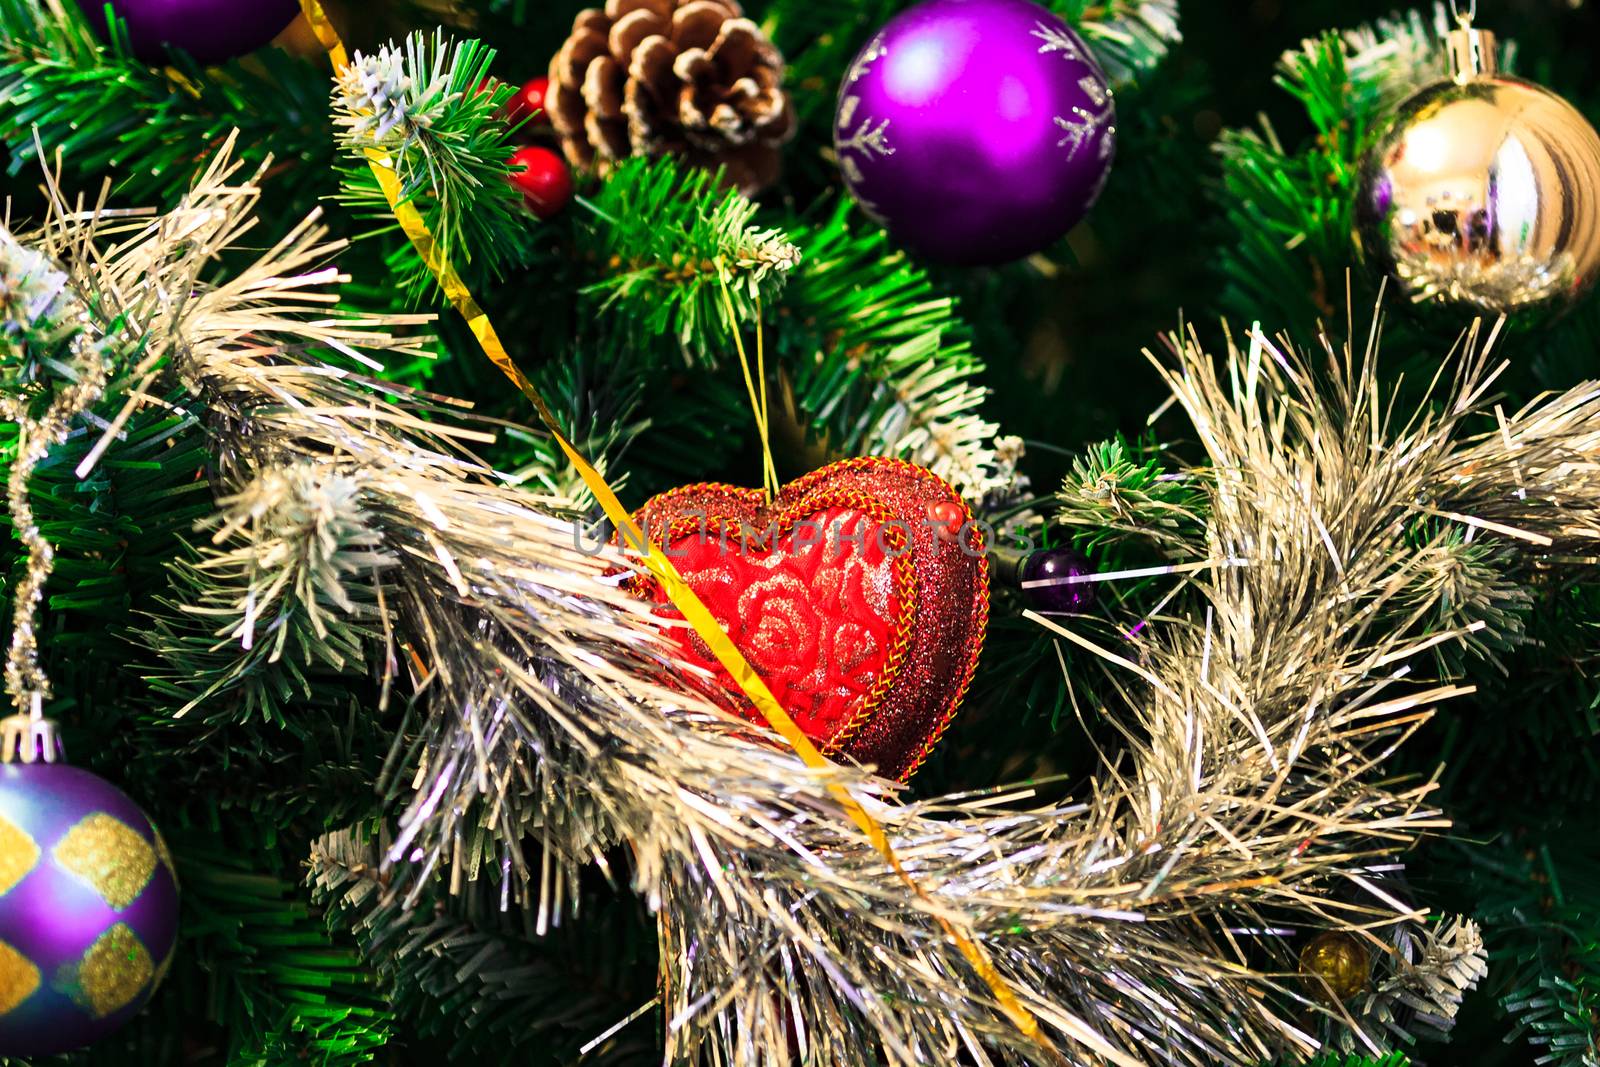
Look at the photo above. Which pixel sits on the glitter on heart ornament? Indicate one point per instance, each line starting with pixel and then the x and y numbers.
pixel 860 594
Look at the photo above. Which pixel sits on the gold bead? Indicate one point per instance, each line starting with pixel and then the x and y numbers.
pixel 1340 960
pixel 1484 191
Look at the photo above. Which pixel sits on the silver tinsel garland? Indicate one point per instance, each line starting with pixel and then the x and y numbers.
pixel 1148 923
pixel 57 372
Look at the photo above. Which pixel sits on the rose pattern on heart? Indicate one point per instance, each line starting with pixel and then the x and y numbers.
pixel 818 623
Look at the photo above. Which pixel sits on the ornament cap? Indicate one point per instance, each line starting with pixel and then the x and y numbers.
pixel 1471 53
pixel 1005 563
pixel 29 739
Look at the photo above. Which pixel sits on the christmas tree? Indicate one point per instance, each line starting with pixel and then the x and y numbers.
pixel 827 532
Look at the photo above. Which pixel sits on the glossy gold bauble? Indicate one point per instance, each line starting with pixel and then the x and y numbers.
pixel 1336 964
pixel 1484 191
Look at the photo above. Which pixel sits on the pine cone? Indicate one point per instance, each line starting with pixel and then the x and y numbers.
pixel 690 77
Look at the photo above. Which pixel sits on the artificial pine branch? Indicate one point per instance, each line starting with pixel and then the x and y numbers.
pixel 281 989
pixel 1293 211
pixel 1129 37
pixel 107 111
pixel 554 988
pixel 1464 570
pixel 1291 206
pixel 430 107
pixel 1560 1019
pixel 1537 903
pixel 276 989
pixel 293 590
pixel 1534 721
pixel 113 533
pixel 879 362
pixel 680 254
pixel 530 736
pixel 1249 790
pixel 623 398
pixel 616 394
pixel 1548 747
pixel 599 389
pixel 1122 490
pixel 1470 579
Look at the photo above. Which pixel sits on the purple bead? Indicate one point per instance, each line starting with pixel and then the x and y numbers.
pixel 209 30
pixel 1058 563
pixel 88 908
pixel 977 131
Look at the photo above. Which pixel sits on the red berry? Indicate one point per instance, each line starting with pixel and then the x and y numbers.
pixel 543 177
pixel 528 103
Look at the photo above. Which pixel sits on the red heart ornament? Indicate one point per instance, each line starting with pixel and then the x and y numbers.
pixel 860 595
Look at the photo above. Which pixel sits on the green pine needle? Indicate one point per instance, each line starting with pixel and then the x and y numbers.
pixel 285 991
pixel 1537 906
pixel 445 958
pixel 419 103
pixel 291 596
pixel 1128 37
pixel 681 255
pixel 1120 489
pixel 879 362
pixel 106 111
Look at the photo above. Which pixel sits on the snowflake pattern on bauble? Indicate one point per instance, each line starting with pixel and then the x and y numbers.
pixel 1085 123
pixel 854 140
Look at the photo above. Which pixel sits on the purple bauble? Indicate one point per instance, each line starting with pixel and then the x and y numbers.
pixel 1052 567
pixel 977 131
pixel 88 908
pixel 209 30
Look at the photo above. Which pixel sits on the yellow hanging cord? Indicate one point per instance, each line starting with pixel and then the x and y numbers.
pixel 758 402
pixel 766 417
pixel 655 561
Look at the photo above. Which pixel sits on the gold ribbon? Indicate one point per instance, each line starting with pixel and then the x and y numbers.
pixel 655 561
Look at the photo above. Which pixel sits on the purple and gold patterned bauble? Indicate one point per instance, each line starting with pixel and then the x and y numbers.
pixel 88 908
pixel 209 30
pixel 977 131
